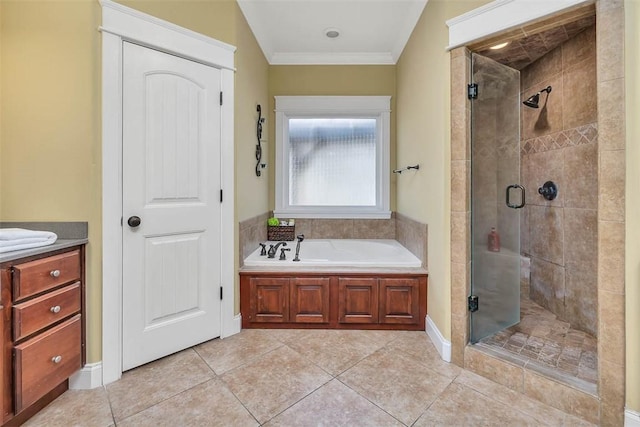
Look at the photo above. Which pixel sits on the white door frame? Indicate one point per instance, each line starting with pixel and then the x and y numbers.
pixel 120 23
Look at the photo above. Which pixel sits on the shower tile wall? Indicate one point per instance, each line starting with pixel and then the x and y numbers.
pixel 559 143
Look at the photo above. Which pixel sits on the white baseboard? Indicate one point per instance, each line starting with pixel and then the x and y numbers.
pixel 233 328
pixel 87 378
pixel 442 345
pixel 631 418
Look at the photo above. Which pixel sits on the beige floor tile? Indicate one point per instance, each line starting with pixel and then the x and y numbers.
pixel 273 382
pixel 544 414
pixel 418 346
pixel 463 406
pixel 150 384
pixel 333 404
pixel 208 405
pixel 76 408
pixel 286 335
pixel 223 355
pixel 337 350
pixel 396 383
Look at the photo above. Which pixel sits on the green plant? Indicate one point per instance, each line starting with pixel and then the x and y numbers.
pixel 273 221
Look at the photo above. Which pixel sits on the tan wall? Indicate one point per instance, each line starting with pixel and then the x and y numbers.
pixel 330 80
pixel 632 262
pixel 423 107
pixel 214 18
pixel 252 192
pixel 50 108
pixel 50 82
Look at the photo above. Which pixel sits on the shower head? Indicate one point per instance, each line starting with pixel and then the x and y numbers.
pixel 533 100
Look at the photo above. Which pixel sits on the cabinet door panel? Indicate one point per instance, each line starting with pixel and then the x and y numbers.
pixel 309 301
pixel 357 300
pixel 269 299
pixel 399 301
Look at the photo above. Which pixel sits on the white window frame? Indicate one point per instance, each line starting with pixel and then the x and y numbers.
pixel 291 107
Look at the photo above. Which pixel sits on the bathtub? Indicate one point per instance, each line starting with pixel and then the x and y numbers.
pixel 339 253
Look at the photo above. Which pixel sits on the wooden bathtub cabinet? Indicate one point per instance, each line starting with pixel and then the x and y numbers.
pixel 333 300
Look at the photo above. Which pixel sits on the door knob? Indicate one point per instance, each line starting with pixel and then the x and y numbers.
pixel 134 221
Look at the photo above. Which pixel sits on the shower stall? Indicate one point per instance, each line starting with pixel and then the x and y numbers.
pixel 534 172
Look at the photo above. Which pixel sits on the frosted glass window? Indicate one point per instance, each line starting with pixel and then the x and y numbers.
pixel 332 162
pixel 332 157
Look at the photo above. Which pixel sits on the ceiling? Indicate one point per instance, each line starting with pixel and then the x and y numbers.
pixel 293 31
pixel 521 52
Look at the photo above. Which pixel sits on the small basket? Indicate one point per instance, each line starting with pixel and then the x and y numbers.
pixel 281 232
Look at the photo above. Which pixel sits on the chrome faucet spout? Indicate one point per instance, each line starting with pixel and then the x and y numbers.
pixel 300 238
pixel 273 249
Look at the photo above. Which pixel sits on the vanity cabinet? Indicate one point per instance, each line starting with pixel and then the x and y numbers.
pixel 44 332
pixel 333 300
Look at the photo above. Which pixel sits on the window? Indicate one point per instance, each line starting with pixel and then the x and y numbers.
pixel 332 156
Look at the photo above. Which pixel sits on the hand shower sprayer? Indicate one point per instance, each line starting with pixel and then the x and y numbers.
pixel 300 238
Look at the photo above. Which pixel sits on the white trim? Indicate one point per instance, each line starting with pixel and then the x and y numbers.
pixel 501 15
pixel 631 418
pixel 121 23
pixel 442 345
pixel 332 58
pixel 372 107
pixel 405 30
pixel 90 376
pixel 233 327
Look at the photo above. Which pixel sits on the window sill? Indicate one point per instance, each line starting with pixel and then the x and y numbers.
pixel 333 215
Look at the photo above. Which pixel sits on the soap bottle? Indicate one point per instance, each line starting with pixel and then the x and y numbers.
pixel 493 241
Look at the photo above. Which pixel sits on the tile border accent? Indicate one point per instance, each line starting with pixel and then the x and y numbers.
pixel 439 341
pixel 587 134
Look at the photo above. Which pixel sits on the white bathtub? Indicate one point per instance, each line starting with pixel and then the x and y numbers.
pixel 339 253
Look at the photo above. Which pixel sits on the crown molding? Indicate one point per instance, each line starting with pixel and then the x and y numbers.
pixel 332 58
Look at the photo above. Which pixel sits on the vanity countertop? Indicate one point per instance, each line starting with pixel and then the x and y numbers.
pixel 59 244
pixel 69 234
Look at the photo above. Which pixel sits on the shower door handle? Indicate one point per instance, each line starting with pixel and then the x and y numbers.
pixel 508 196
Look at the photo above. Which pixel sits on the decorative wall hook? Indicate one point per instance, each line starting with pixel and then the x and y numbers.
pixel 416 167
pixel 259 163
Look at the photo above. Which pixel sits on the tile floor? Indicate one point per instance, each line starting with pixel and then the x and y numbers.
pixel 302 378
pixel 542 338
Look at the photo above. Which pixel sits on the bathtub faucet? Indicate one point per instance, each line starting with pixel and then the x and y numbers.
pixel 300 238
pixel 273 249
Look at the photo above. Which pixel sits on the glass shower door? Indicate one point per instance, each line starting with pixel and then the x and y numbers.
pixel 496 197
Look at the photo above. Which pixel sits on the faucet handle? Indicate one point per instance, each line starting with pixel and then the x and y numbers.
pixel 283 256
pixel 263 250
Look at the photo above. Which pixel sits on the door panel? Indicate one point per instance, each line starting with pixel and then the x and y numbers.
pixel 269 300
pixel 309 300
pixel 357 300
pixel 171 181
pixel 399 301
pixel 495 199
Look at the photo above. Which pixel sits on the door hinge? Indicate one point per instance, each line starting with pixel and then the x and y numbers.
pixel 220 98
pixel 472 91
pixel 473 303
pixel 221 195
pixel 221 293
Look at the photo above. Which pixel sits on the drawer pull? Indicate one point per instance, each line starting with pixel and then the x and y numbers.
pixel 56 359
pixel 54 273
pixel 55 309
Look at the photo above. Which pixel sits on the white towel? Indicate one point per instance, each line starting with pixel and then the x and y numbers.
pixel 15 239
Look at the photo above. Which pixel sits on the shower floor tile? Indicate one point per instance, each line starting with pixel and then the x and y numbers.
pixel 549 341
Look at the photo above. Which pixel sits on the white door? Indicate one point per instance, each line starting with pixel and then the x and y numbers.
pixel 171 182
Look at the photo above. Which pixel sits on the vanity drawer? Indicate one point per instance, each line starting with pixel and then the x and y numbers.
pixel 40 312
pixel 45 361
pixel 34 277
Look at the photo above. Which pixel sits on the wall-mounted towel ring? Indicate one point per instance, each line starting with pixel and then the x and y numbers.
pixel 416 167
